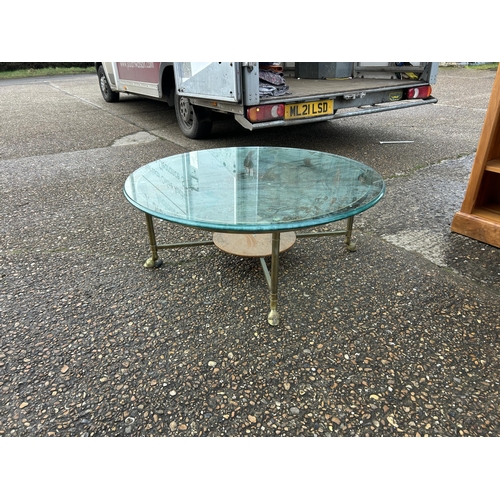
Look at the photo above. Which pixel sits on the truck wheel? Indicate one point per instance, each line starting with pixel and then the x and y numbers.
pixel 195 122
pixel 107 94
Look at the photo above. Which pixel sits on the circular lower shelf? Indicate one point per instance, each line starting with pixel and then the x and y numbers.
pixel 252 245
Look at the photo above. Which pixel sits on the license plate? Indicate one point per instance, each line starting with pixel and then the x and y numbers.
pixel 308 109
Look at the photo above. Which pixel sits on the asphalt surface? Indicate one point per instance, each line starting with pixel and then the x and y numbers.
pixel 400 338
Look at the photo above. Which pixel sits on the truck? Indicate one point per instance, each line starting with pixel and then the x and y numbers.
pixel 269 94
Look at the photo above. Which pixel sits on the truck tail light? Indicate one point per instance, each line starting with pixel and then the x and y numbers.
pixel 266 113
pixel 419 92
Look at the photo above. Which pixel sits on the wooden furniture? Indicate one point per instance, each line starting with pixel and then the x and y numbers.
pixel 479 217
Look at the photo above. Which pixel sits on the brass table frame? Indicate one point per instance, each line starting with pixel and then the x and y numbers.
pixel 271 277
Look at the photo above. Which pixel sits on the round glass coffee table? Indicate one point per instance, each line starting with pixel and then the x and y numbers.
pixel 253 199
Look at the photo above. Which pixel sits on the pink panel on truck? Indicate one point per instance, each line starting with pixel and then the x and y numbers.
pixel 147 72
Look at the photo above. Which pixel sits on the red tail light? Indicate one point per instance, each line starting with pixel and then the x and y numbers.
pixel 266 113
pixel 419 92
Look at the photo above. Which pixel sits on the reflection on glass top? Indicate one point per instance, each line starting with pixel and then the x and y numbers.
pixel 254 189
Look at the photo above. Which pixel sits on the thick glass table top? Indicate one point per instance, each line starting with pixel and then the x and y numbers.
pixel 254 189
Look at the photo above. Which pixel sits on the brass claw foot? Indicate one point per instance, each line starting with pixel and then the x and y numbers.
pixel 150 263
pixel 351 246
pixel 273 318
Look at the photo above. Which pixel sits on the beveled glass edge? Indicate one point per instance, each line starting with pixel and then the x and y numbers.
pixel 283 227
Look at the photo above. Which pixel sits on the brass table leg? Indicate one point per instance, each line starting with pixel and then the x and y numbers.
pixel 350 245
pixel 153 261
pixel 273 316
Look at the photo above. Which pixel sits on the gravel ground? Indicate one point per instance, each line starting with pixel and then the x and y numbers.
pixel 380 342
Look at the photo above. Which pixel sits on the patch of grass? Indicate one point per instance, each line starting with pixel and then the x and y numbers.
pixel 492 65
pixel 26 73
pixel 486 66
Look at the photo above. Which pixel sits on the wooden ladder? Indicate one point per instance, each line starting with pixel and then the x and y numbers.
pixel 479 216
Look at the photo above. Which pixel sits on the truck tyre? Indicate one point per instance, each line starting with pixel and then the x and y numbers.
pixel 195 122
pixel 107 94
